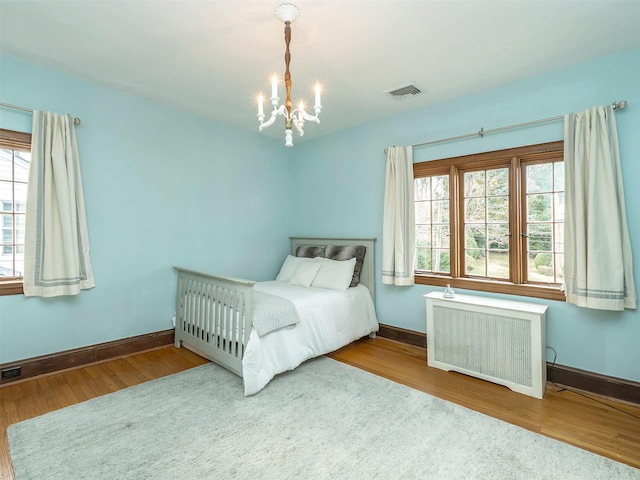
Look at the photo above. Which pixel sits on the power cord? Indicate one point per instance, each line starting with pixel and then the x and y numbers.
pixel 562 389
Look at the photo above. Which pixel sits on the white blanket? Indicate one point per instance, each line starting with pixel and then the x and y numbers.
pixel 329 319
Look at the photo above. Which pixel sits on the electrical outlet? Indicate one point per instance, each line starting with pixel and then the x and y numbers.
pixel 11 372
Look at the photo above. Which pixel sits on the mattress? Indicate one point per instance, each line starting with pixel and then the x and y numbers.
pixel 329 320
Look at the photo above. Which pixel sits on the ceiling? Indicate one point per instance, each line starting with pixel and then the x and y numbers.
pixel 214 57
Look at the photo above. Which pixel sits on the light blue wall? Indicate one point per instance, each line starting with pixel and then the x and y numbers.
pixel 162 187
pixel 339 189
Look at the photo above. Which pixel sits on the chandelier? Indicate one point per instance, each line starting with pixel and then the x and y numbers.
pixel 287 12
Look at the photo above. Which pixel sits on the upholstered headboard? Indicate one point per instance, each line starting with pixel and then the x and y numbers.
pixel 367 276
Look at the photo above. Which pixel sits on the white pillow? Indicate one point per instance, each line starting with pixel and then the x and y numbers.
pixel 289 267
pixel 334 274
pixel 305 273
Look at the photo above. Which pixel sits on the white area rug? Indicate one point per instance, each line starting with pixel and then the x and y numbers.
pixel 325 420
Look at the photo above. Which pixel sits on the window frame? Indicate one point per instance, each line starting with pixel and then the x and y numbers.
pixel 10 139
pixel 515 159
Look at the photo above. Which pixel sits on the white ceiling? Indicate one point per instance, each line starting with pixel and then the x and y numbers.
pixel 214 57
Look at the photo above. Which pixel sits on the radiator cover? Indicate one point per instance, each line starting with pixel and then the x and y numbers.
pixel 501 341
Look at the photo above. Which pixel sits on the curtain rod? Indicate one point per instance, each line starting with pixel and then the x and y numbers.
pixel 621 105
pixel 76 120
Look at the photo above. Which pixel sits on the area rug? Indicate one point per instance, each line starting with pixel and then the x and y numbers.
pixel 325 420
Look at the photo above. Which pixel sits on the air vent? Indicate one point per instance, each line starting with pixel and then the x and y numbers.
pixel 404 90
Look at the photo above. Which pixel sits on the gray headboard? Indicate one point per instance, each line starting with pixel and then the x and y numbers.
pixel 367 276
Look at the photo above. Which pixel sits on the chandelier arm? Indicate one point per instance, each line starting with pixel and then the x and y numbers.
pixel 269 122
pixel 298 126
pixel 310 118
pixel 287 59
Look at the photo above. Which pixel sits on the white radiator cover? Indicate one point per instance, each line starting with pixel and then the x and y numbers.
pixel 501 341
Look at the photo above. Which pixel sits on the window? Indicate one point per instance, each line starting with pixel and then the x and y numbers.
pixel 15 156
pixel 492 221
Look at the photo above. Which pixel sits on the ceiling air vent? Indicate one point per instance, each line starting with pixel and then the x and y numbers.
pixel 404 90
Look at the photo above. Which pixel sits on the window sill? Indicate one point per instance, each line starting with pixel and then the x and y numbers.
pixel 525 290
pixel 11 287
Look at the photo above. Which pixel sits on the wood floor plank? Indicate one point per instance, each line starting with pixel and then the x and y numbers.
pixel 562 414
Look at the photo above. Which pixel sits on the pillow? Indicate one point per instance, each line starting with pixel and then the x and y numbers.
pixel 334 274
pixel 309 251
pixel 289 267
pixel 338 252
pixel 305 273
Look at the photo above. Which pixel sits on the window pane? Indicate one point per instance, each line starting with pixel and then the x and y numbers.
pixel 441 262
pixel 423 235
pixel 474 210
pixel 432 223
pixel 475 236
pixel 440 187
pixel 441 236
pixel 475 263
pixel 440 211
pixel 6 164
pixel 559 267
pixel 21 169
pixel 558 239
pixel 498 181
pixel 474 184
pixel 422 188
pixel 423 212
pixel 539 239
pixel 423 259
pixel 558 176
pixel 20 191
pixel 539 178
pixel 539 208
pixel 541 268
pixel 558 207
pixel 498 265
pixel 498 209
pixel 498 236
pixel 545 217
pixel 7 221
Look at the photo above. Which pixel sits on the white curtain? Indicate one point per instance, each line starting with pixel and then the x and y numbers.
pixel 56 253
pixel 598 265
pixel 398 229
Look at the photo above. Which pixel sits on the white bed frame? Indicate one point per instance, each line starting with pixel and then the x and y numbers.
pixel 214 313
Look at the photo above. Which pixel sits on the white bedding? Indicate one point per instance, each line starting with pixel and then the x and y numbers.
pixel 329 319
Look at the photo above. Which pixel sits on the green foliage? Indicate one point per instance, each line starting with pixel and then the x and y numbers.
pixel 542 260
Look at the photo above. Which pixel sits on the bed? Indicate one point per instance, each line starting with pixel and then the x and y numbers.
pixel 260 329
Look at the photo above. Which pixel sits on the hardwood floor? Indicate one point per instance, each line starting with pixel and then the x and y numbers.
pixel 564 415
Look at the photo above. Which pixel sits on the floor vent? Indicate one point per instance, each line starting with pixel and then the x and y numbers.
pixel 496 340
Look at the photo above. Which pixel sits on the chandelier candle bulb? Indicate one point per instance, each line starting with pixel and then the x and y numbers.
pixel 260 105
pixel 318 104
pixel 274 86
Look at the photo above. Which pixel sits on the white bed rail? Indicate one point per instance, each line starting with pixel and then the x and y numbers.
pixel 214 316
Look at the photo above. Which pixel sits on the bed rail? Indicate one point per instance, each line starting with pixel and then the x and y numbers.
pixel 214 316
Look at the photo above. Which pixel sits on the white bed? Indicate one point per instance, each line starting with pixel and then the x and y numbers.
pixel 214 318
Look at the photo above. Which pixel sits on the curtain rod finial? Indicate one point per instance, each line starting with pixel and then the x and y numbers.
pixel 621 105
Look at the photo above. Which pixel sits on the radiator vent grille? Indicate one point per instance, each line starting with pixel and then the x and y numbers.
pixel 490 344
pixel 496 340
